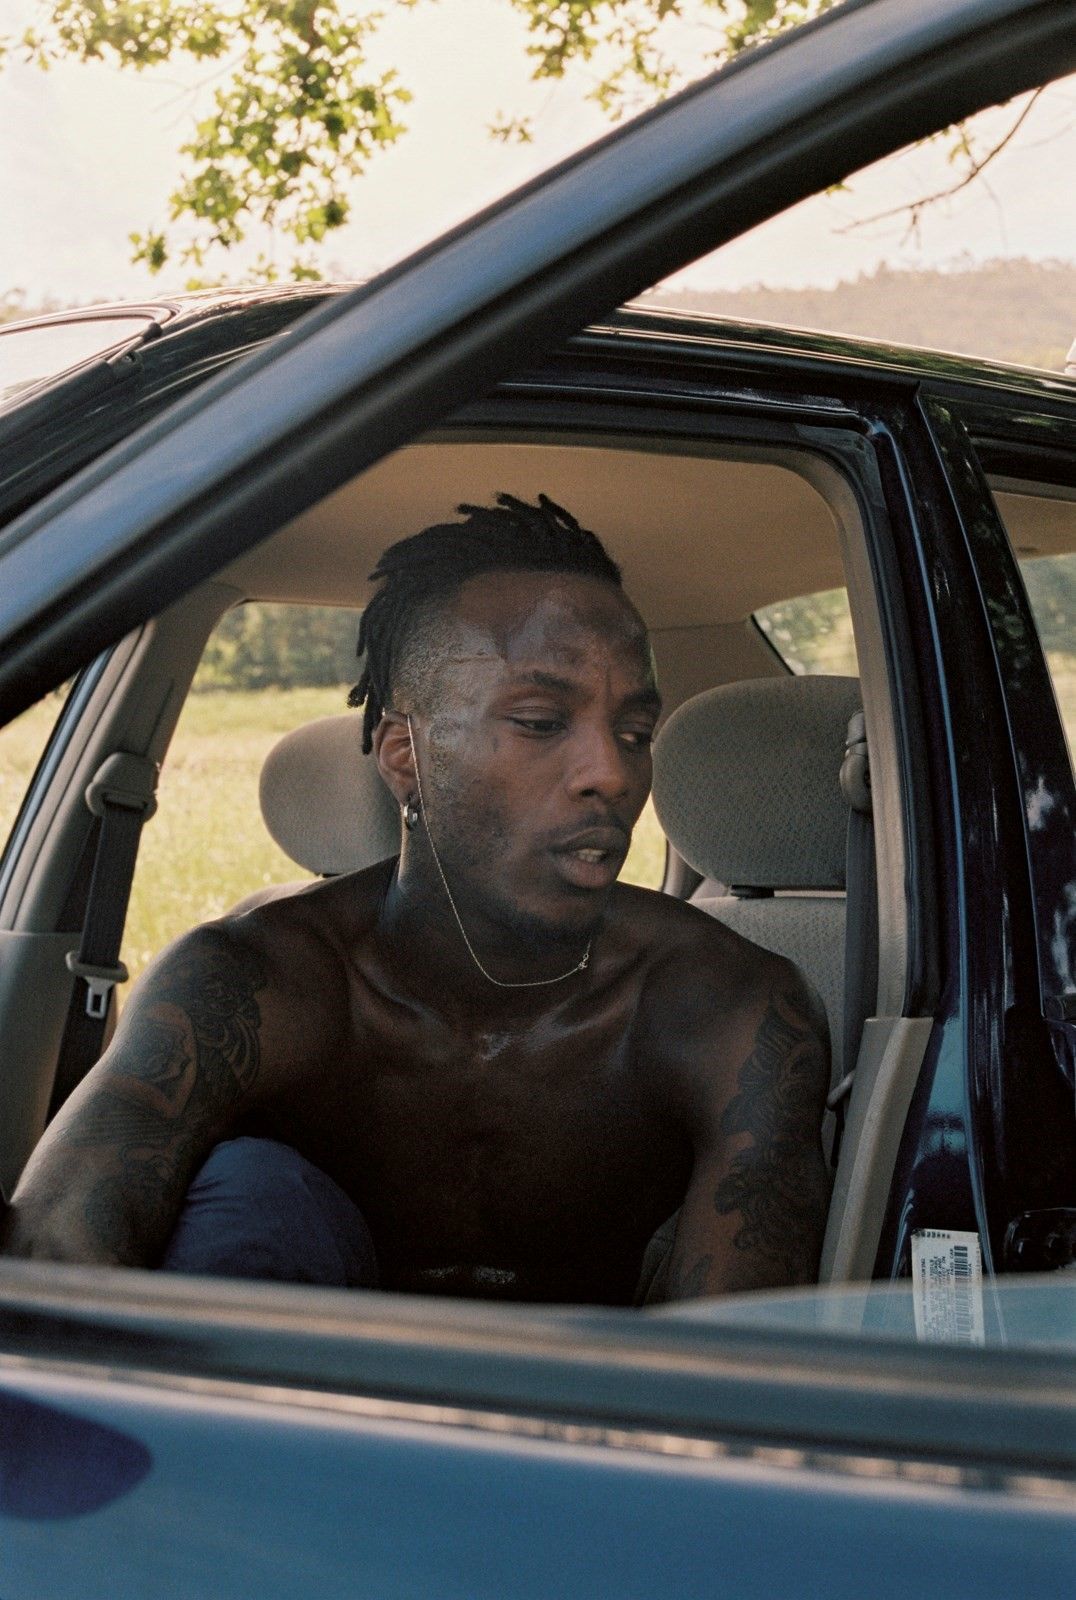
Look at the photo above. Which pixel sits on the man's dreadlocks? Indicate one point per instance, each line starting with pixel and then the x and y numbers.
pixel 423 571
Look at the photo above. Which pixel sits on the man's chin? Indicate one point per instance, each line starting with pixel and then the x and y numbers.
pixel 567 917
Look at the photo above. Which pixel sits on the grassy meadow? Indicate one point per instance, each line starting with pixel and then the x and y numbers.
pixel 207 847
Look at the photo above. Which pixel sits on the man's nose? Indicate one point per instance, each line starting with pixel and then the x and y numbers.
pixel 600 766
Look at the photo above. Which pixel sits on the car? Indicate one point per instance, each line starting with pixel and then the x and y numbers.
pixel 902 826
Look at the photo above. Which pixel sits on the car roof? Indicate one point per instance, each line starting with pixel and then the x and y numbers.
pixel 640 321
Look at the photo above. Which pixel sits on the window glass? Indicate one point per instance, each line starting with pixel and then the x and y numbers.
pixel 812 633
pixel 1051 589
pixel 22 744
pixel 645 864
pixel 958 243
pixel 30 355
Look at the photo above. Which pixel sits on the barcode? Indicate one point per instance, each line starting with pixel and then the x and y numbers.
pixel 947 1285
pixel 963 1320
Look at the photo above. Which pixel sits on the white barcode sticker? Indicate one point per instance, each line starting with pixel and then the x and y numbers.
pixel 947 1286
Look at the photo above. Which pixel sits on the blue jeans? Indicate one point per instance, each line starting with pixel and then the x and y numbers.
pixel 258 1209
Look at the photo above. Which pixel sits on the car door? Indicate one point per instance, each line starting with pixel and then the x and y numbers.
pixel 161 1440
pixel 1019 803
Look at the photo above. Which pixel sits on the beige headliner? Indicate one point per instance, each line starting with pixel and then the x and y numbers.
pixel 1041 524
pixel 702 539
pixel 705 536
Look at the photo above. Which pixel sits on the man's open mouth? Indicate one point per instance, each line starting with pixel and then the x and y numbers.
pixel 595 857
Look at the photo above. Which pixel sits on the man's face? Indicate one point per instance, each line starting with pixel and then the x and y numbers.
pixel 535 759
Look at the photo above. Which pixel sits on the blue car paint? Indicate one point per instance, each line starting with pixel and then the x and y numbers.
pixel 259 1498
pixel 55 1463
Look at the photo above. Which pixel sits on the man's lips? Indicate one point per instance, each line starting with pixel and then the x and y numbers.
pixel 594 856
pixel 608 840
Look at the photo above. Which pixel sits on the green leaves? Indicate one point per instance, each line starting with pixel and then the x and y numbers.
pixel 638 42
pixel 132 33
pixel 296 120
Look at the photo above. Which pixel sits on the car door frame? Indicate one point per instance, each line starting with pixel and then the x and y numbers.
pixel 1000 1088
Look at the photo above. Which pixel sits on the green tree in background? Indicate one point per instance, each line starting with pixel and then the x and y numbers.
pixel 296 119
pixel 300 111
pixel 264 645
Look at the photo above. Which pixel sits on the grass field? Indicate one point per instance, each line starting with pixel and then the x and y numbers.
pixel 207 846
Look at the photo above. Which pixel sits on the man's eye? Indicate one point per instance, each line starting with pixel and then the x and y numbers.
pixel 637 738
pixel 540 725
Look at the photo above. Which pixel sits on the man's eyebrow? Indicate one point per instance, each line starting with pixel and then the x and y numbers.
pixel 538 679
pixel 647 699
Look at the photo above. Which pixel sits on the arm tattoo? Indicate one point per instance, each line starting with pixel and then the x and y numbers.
pixel 690 1282
pixel 778 1184
pixel 169 1091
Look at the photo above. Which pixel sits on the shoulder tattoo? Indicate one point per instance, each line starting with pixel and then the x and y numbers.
pixel 217 994
pixel 194 1048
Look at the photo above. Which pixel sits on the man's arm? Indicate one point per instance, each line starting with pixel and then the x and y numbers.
pixel 108 1178
pixel 755 1211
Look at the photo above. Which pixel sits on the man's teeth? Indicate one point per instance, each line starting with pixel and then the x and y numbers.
pixel 591 855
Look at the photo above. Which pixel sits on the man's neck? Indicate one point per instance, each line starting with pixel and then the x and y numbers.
pixel 422 939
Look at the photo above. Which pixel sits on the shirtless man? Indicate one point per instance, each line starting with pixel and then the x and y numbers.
pixel 516 1067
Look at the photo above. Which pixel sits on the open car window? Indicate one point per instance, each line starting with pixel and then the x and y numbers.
pixel 24 743
pixel 812 633
pixel 1051 589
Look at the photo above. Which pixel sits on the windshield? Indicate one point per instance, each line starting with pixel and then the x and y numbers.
pixel 29 355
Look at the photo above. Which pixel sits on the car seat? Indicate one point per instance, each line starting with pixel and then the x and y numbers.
pixel 325 803
pixel 748 788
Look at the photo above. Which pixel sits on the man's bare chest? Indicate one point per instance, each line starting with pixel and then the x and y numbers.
pixel 503 1150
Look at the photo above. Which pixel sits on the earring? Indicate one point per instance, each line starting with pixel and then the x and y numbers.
pixel 410 814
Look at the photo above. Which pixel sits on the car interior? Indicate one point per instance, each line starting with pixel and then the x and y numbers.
pixel 780 795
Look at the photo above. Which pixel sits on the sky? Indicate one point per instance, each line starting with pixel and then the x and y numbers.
pixel 88 153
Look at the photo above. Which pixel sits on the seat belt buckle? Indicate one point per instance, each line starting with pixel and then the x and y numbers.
pixel 99 981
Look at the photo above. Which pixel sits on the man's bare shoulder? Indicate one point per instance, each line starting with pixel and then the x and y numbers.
pixel 706 989
pixel 290 953
pixel 683 948
pixel 305 934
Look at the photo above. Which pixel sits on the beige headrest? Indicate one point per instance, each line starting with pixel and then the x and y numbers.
pixel 747 781
pixel 324 802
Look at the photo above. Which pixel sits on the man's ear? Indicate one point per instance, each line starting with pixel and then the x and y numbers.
pixel 392 752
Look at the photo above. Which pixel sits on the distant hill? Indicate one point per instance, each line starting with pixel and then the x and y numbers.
pixel 1020 311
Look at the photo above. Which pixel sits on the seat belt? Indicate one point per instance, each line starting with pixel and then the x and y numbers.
pixel 123 795
pixel 860 917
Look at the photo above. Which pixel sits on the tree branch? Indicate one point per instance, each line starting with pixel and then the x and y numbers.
pixel 913 208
